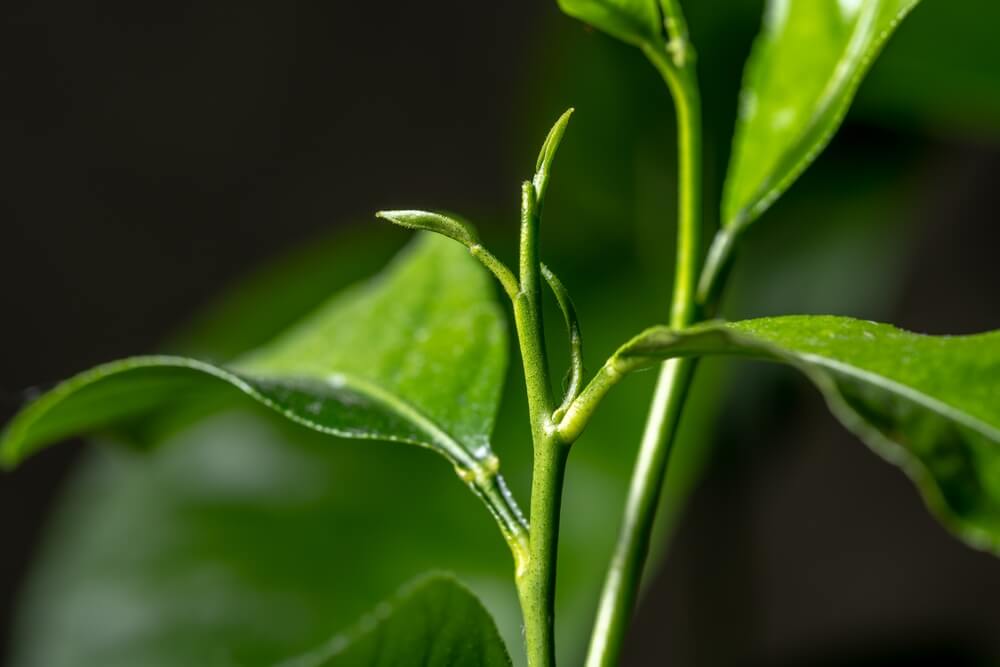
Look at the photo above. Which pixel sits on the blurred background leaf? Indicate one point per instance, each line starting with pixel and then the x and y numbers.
pixel 433 621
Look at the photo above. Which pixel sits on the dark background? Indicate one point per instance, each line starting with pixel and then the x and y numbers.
pixel 151 153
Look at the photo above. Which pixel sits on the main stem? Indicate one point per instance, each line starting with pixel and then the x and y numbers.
pixel 537 585
pixel 536 580
pixel 624 575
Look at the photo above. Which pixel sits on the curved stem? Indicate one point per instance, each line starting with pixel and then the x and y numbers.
pixel 676 65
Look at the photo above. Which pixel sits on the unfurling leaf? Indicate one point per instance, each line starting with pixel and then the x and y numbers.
pixel 637 22
pixel 446 225
pixel 434 621
pixel 930 404
pixel 800 79
pixel 416 355
pixel 548 153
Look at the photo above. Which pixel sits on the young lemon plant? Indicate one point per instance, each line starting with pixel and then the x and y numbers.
pixel 417 355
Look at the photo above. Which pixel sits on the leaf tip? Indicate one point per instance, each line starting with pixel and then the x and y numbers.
pixel 548 152
pixel 446 225
pixel 10 456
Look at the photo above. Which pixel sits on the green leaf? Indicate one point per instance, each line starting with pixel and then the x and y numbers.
pixel 249 540
pixel 416 355
pixel 803 72
pixel 543 165
pixel 446 225
pixel 930 404
pixel 434 621
pixel 637 22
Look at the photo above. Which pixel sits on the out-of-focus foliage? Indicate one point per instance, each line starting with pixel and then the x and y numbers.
pixel 941 74
pixel 244 539
pixel 434 621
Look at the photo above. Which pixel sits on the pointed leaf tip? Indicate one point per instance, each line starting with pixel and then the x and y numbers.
pixel 447 225
pixel 552 140
pixel 435 615
pixel 548 153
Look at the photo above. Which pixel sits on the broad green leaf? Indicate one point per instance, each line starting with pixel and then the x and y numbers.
pixel 803 72
pixel 434 621
pixel 416 355
pixel 634 21
pixel 930 404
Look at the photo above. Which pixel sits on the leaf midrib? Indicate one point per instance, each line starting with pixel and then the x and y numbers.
pixel 245 383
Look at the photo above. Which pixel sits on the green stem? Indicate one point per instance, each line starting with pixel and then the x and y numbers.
pixel 536 579
pixel 684 88
pixel 537 585
pixel 621 586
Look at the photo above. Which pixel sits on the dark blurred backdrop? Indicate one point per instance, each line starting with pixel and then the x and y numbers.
pixel 152 154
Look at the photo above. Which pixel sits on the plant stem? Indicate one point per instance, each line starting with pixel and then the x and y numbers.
pixel 624 576
pixel 536 580
pixel 537 586
pixel 621 585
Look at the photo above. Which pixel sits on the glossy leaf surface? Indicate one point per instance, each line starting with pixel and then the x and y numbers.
pixel 930 404
pixel 416 355
pixel 634 21
pixel 434 621
pixel 800 79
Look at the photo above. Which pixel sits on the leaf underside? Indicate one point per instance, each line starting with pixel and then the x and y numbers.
pixel 930 404
pixel 434 621
pixel 802 74
pixel 415 355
